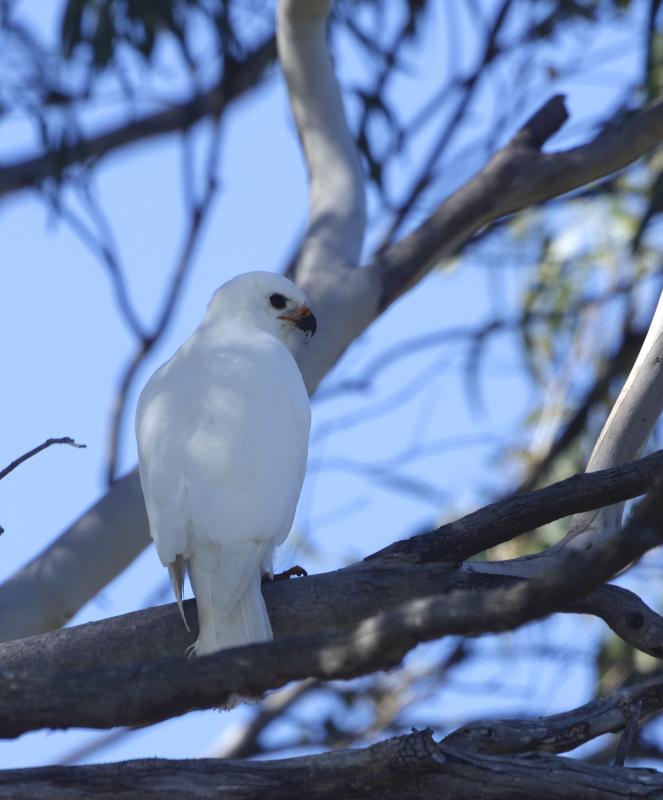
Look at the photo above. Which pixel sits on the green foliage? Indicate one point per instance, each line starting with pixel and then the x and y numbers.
pixel 592 274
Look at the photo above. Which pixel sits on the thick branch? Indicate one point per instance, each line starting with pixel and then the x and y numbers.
pixel 412 766
pixel 49 590
pixel 136 694
pixel 560 732
pixel 345 597
pixel 337 213
pixel 39 587
pixel 320 603
pixel 336 192
pixel 501 521
pixel 238 78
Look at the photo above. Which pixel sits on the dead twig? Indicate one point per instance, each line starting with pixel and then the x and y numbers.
pixel 17 462
pixel 62 440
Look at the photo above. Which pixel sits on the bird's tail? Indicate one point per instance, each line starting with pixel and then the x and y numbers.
pixel 225 624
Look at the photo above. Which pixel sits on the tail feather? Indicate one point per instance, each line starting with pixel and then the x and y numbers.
pixel 245 622
pixel 176 571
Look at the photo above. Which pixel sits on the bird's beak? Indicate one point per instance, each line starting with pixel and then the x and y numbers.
pixel 303 319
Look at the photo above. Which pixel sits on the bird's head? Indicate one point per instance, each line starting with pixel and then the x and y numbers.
pixel 268 301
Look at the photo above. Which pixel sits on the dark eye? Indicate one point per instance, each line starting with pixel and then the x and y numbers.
pixel 278 300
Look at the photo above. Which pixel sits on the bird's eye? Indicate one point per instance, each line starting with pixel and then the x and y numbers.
pixel 278 300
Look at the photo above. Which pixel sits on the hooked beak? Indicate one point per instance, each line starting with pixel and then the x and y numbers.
pixel 303 319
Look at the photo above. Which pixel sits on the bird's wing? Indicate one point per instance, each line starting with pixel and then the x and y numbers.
pixel 163 486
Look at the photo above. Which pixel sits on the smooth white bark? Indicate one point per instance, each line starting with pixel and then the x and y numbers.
pixel 48 591
pixel 337 213
pixel 626 431
pixel 345 299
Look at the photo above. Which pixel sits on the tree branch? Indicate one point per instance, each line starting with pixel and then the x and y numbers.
pixel 519 175
pixel 105 539
pixel 501 521
pixel 630 424
pixel 412 766
pixel 406 570
pixel 336 191
pixel 137 694
pixel 337 214
pixel 319 603
pixel 560 733
pixel 238 78
pixel 18 461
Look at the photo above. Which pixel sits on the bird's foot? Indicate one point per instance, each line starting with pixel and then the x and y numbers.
pixel 295 571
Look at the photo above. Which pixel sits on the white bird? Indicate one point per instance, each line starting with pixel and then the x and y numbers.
pixel 222 432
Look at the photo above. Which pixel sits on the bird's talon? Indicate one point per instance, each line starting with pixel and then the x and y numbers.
pixel 295 571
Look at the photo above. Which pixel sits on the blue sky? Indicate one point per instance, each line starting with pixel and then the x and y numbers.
pixel 65 345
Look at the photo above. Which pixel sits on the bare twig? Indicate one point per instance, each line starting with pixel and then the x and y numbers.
pixel 615 365
pixel 17 462
pixel 102 247
pixel 10 467
pixel 480 333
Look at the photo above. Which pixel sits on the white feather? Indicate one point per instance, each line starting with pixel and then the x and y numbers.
pixel 222 432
